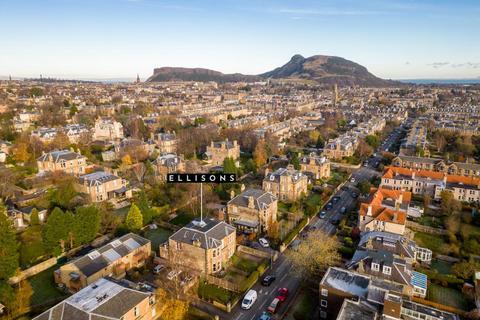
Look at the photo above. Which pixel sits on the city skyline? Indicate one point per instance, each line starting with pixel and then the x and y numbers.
pixel 120 38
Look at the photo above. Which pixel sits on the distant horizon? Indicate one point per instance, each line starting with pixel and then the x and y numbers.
pixel 394 39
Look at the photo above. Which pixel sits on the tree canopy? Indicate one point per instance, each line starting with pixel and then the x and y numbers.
pixel 134 220
pixel 8 246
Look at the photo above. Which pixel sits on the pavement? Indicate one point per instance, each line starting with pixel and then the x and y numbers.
pixel 282 268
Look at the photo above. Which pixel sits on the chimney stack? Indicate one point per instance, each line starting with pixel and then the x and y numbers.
pixel 251 202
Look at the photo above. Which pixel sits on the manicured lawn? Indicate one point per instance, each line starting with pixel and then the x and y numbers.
pixel 244 264
pixel 447 296
pixel 211 292
pixel 182 219
pixel 157 236
pixel 432 242
pixel 45 291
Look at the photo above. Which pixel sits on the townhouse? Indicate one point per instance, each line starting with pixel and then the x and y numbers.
pixel 253 210
pixel 218 151
pixel 104 299
pixel 347 295
pixel 384 210
pixel 103 186
pixel 203 246
pixel 107 129
pixel 287 184
pixel 318 167
pixel 168 163
pixel 66 161
pixel 112 260
pixel 432 183
pixel 438 165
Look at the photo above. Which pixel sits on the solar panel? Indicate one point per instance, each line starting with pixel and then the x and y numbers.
pixel 111 255
pixel 131 244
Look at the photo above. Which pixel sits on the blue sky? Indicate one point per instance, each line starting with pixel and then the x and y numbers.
pixel 120 38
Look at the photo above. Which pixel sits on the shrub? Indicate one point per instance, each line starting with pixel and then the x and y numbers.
pixel 250 281
pixel 295 231
pixel 263 266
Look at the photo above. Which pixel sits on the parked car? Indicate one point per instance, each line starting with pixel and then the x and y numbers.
pixel 335 221
pixel 335 199
pixel 273 307
pixel 265 316
pixel 268 280
pixel 323 214
pixel 328 206
pixel 173 274
pixel 158 268
pixel 354 195
pixel 352 179
pixel 249 299
pixel 263 242
pixel 282 294
pixel 343 210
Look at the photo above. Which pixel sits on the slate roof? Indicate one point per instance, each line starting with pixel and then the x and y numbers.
pixel 98 259
pixel 60 155
pixel 262 199
pixel 98 177
pixel 104 299
pixel 209 234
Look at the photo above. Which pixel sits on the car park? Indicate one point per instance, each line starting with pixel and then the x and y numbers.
pixel 268 280
pixel 273 307
pixel 249 299
pixel 263 242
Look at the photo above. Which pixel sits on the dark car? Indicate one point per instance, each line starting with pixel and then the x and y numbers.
pixel 267 281
pixel 354 195
pixel 322 214
pixel 328 206
pixel 344 188
pixel 335 221
pixel 335 199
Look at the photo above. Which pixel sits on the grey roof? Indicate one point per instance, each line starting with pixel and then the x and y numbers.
pixel 60 155
pixel 389 241
pixel 168 160
pixel 209 234
pixel 356 310
pixel 434 161
pixel 104 299
pixel 262 199
pixel 98 177
pixel 98 259
pixel 290 172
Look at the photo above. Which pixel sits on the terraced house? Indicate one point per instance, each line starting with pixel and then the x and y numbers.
pixel 438 165
pixel 113 260
pixel 104 299
pixel 103 186
pixel 65 161
pixel 203 246
pixel 287 184
pixel 432 183
pixel 253 210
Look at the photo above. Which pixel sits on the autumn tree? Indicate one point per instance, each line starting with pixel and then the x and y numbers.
pixel 260 154
pixel 450 205
pixel 170 308
pixel 134 219
pixel 20 152
pixel 314 255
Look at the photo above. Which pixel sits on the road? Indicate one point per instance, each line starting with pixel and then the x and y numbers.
pixel 282 268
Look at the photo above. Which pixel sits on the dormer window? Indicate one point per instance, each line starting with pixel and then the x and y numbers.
pixel 375 266
pixel 387 270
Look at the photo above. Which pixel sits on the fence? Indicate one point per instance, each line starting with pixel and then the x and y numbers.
pixel 258 253
pixel 222 283
pixel 421 228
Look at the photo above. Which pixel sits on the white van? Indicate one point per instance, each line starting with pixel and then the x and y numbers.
pixel 249 299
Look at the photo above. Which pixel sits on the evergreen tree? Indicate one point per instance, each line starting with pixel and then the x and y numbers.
pixel 34 219
pixel 8 246
pixel 229 165
pixel 57 233
pixel 143 204
pixel 87 224
pixel 134 220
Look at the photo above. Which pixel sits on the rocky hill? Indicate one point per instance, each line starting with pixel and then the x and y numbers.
pixel 197 74
pixel 327 70
pixel 321 69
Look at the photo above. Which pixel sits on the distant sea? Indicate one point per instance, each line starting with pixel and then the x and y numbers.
pixel 441 81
